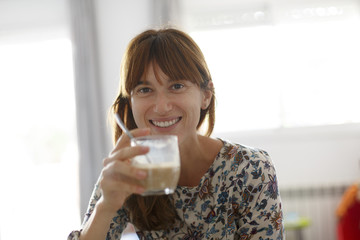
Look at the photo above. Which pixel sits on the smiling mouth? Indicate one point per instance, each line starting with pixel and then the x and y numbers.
pixel 165 124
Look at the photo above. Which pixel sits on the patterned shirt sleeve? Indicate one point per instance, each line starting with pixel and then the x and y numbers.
pixel 117 224
pixel 261 211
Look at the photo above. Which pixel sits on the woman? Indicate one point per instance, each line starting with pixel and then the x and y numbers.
pixel 225 191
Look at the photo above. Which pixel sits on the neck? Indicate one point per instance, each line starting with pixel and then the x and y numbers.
pixel 196 158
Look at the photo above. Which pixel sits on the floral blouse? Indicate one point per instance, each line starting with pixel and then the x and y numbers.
pixel 237 198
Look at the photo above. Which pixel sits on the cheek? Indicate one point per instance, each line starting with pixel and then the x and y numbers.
pixel 137 111
pixel 194 108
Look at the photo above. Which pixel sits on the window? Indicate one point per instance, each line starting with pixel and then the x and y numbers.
pixel 287 65
pixel 39 150
pixel 39 159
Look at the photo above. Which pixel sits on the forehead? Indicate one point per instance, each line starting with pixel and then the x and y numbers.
pixel 154 72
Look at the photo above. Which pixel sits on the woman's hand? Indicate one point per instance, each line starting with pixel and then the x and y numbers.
pixel 118 177
pixel 116 184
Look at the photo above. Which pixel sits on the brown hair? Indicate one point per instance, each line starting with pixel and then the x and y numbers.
pixel 179 57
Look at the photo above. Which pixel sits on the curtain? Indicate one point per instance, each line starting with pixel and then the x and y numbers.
pixel 90 118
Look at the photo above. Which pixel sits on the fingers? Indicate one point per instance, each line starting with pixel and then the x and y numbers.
pixel 116 189
pixel 122 186
pixel 121 170
pixel 123 177
pixel 123 152
pixel 115 192
pixel 119 177
pixel 124 140
pixel 140 132
pixel 126 153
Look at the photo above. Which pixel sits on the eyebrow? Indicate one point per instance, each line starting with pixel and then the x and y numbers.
pixel 174 80
pixel 142 82
pixel 145 82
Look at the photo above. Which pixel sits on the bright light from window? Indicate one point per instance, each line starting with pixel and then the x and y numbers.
pixel 284 75
pixel 39 159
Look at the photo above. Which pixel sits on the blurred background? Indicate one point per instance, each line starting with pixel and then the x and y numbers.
pixel 286 77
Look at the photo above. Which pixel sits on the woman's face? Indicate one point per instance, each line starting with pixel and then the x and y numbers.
pixel 168 106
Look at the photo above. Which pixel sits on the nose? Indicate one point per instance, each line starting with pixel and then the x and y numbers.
pixel 162 104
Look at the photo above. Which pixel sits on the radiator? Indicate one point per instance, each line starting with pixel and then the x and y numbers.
pixel 318 203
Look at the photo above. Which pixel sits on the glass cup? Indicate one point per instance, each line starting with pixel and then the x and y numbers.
pixel 162 163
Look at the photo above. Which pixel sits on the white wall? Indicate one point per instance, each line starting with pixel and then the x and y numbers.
pixel 309 156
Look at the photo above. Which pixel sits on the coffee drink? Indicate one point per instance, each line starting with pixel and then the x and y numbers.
pixel 161 179
pixel 162 163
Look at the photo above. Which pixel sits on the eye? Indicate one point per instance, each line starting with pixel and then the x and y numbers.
pixel 177 86
pixel 143 90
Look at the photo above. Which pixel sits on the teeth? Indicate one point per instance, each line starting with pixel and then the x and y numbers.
pixel 165 123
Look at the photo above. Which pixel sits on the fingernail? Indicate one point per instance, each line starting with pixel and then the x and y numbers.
pixel 144 149
pixel 146 130
pixel 140 189
pixel 141 174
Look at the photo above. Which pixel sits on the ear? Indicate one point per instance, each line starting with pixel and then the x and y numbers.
pixel 207 95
